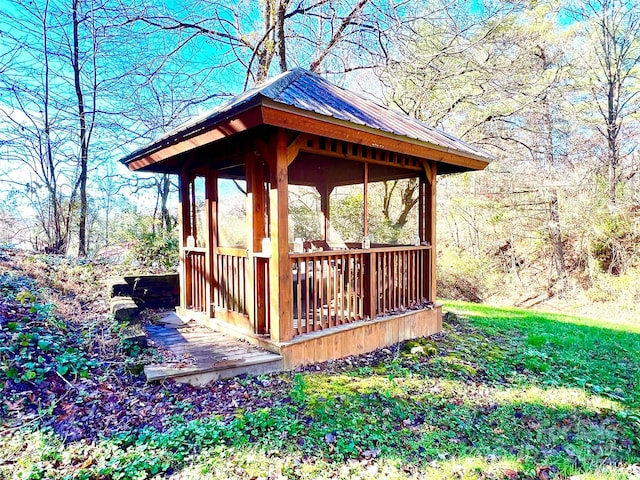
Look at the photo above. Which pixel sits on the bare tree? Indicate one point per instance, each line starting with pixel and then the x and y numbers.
pixel 34 135
pixel 613 28
pixel 86 119
pixel 327 36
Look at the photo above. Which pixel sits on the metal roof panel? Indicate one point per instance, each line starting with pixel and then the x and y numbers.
pixel 310 92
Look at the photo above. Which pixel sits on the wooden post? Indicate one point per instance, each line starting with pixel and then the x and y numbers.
pixel 422 232
pixel 324 189
pixel 211 261
pixel 256 233
pixel 430 229
pixel 281 287
pixel 365 195
pixel 370 282
pixel 184 226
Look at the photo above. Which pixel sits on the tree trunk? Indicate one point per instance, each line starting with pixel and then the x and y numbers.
pixel 84 143
pixel 165 189
pixel 556 239
pixel 56 237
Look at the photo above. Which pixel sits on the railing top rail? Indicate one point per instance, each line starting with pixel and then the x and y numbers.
pixel 195 249
pixel 232 251
pixel 337 253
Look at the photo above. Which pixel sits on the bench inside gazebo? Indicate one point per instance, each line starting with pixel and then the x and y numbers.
pixel 248 275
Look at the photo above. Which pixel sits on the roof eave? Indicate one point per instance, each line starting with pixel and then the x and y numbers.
pixel 234 121
pixel 261 110
pixel 386 140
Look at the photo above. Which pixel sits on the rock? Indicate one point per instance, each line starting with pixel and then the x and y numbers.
pixel 419 350
pixel 151 291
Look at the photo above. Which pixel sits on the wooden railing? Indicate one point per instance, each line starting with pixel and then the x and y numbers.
pixel 336 287
pixel 328 289
pixel 400 278
pixel 231 291
pixel 196 281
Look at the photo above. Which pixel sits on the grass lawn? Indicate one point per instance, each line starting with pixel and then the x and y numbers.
pixel 502 393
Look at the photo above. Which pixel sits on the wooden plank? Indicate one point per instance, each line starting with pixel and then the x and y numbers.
pixel 407 328
pixel 339 253
pixel 389 334
pixel 320 350
pixel 212 216
pixel 255 281
pixel 234 252
pixel 205 374
pixel 334 346
pixel 371 336
pixel 234 318
pixel 293 356
pixel 294 147
pixel 211 226
pixel 260 274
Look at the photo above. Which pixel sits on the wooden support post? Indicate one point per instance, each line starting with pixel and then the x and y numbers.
pixel 211 261
pixel 365 195
pixel 281 286
pixel 422 232
pixel 430 229
pixel 255 207
pixel 184 225
pixel 325 190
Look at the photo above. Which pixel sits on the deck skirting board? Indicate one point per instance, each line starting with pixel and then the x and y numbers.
pixel 359 337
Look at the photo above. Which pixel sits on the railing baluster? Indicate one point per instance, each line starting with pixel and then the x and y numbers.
pixel 321 292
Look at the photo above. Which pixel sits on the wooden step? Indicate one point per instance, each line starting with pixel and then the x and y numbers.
pixel 203 355
pixel 135 333
pixel 203 374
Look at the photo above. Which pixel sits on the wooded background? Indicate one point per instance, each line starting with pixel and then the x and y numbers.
pixel 548 87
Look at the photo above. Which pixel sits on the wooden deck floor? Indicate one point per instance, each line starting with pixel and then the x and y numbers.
pixel 200 355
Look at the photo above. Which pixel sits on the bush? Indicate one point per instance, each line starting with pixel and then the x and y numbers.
pixel 155 251
pixel 151 247
pixel 624 288
pixel 614 242
pixel 462 276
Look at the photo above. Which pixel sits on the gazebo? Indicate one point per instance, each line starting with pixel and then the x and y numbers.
pixel 315 299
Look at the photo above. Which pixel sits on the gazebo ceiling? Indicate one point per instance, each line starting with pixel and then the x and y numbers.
pixel 304 102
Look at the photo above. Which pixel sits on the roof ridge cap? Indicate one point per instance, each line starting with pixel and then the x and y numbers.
pixel 291 76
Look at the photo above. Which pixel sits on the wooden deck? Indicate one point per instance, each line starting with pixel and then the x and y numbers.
pixel 201 355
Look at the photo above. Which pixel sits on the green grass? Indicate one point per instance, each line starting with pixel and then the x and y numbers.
pixel 504 393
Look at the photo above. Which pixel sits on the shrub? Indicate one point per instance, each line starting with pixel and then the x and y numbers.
pixel 624 288
pixel 462 276
pixel 155 251
pixel 614 242
pixel 151 247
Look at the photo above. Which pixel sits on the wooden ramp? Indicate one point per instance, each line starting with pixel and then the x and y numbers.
pixel 201 355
